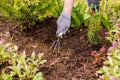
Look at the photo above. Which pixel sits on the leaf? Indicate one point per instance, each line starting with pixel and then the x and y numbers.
pixel 21 59
pixel 15 48
pixel 76 20
pixel 40 55
pixel 24 54
pixel 12 73
pixel 38 76
pixel 5 76
pixel 33 56
pixel 100 72
pixel 105 69
pixel 3 12
pixel 115 69
pixel 43 61
pixel 86 16
pixel 110 61
pixel 105 16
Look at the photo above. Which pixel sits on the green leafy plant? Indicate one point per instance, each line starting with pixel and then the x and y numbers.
pixel 111 67
pixel 29 11
pixel 114 4
pixel 18 66
pixel 4 56
pixel 105 21
pixel 109 8
pixel 106 16
pixel 78 14
pixel 57 8
pixel 23 68
pixel 6 51
pixel 38 76
pixel 94 27
pixel 94 22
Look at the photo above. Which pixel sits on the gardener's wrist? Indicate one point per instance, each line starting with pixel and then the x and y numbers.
pixel 65 15
pixel 68 5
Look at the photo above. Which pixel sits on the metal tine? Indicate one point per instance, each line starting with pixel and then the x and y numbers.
pixel 58 45
pixel 53 44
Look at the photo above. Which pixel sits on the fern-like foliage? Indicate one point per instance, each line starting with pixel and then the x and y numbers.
pixel 30 10
pixel 94 27
pixel 78 14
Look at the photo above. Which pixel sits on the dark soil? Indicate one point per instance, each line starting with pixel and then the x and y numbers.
pixel 74 62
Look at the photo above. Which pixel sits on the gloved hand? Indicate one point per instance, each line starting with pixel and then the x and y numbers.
pixel 63 23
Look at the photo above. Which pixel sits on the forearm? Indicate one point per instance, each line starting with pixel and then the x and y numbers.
pixel 68 5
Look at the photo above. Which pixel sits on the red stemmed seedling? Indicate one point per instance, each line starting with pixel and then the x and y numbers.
pixel 99 56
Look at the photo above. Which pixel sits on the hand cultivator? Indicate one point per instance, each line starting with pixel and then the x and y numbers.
pixel 56 44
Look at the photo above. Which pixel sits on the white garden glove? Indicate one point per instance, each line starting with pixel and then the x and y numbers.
pixel 63 23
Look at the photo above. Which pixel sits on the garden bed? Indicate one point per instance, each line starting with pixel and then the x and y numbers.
pixel 74 62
